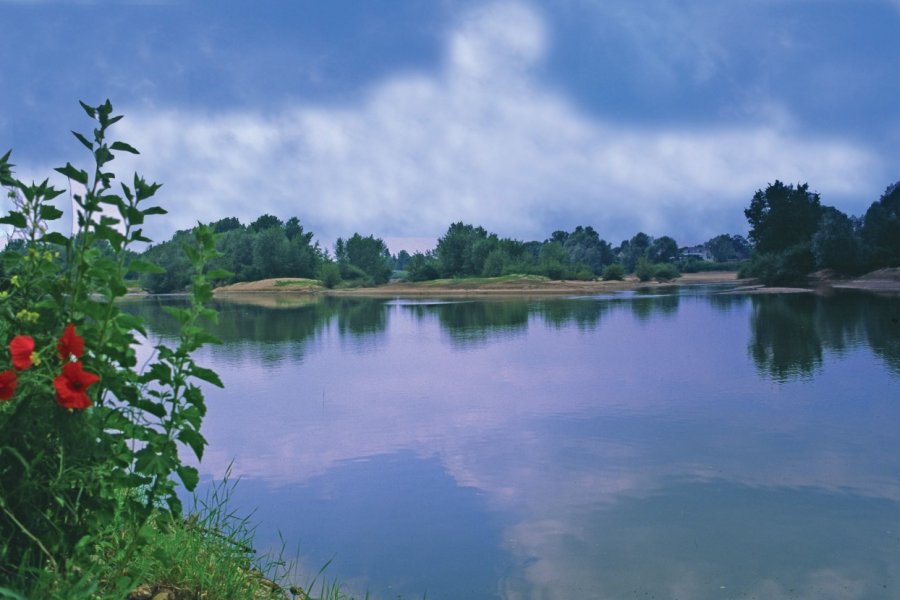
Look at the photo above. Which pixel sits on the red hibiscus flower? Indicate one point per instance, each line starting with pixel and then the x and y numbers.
pixel 71 386
pixel 70 344
pixel 21 348
pixel 8 383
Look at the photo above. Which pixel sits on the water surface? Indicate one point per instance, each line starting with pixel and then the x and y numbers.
pixel 686 444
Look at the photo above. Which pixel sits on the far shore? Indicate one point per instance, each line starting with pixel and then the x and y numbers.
pixel 881 281
pixel 499 286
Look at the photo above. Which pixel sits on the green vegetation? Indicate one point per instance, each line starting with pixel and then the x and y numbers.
pixel 793 234
pixel 90 441
pixel 304 283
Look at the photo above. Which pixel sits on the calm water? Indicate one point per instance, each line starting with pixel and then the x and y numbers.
pixel 685 445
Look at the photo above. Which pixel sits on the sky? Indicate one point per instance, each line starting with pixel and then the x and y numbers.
pixel 399 117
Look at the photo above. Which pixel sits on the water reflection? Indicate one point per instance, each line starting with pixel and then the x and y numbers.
pixel 617 447
pixel 790 332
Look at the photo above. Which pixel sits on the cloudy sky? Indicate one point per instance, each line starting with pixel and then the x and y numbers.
pixel 398 117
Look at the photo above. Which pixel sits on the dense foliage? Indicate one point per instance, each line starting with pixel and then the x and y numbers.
pixel 89 439
pixel 267 248
pixel 793 234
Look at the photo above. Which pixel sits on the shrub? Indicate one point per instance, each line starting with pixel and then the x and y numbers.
pixel 666 272
pixel 86 438
pixel 330 274
pixel 779 268
pixel 614 271
pixel 644 269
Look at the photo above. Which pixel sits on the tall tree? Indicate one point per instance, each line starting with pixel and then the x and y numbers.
pixel 371 256
pixel 783 216
pixel 881 229
pixel 836 245
pixel 584 246
pixel 463 250
pixel 663 250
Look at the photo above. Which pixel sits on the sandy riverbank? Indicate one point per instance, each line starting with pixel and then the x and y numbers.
pixel 885 281
pixel 500 286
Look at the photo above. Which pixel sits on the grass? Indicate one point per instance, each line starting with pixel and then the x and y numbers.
pixel 297 283
pixel 483 281
pixel 207 555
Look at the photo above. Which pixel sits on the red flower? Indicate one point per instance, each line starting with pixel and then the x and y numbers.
pixel 70 344
pixel 71 386
pixel 21 348
pixel 8 383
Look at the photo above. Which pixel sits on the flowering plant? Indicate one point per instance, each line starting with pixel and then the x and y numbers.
pixel 86 435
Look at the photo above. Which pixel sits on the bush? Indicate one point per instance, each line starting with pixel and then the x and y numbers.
pixel 330 274
pixel 644 269
pixel 614 271
pixel 583 273
pixel 88 441
pixel 666 272
pixel 781 268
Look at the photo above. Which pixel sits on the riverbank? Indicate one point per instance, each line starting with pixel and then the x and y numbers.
pixel 884 281
pixel 511 285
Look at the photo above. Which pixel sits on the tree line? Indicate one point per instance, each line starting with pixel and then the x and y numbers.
pixel 791 234
pixel 269 248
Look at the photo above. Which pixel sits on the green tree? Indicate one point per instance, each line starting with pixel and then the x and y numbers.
pixel 270 253
pixel 401 260
pixel 266 221
pixel 783 216
pixel 881 229
pixel 371 256
pixel 423 267
pixel 836 245
pixel 724 247
pixel 634 249
pixel 644 269
pixel 226 224
pixel 463 250
pixel 663 250
pixel 584 246
pixel 554 261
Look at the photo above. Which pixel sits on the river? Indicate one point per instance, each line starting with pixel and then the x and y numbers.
pixel 689 443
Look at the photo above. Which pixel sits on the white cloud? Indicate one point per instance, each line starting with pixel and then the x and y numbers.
pixel 481 141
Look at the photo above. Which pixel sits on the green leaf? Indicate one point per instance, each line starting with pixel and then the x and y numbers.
pixel 207 375
pixel 123 147
pixel 54 237
pixel 148 460
pixel 154 408
pixel 189 477
pixel 193 439
pixel 83 140
pixel 50 213
pixel 73 173
pixel 155 210
pixel 91 112
pixel 102 155
pixel 16 219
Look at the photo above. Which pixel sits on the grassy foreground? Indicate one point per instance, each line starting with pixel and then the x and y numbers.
pixel 207 555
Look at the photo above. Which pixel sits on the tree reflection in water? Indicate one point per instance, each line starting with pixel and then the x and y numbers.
pixel 789 333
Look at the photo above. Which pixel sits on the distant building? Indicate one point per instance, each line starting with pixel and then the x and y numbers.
pixel 699 252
